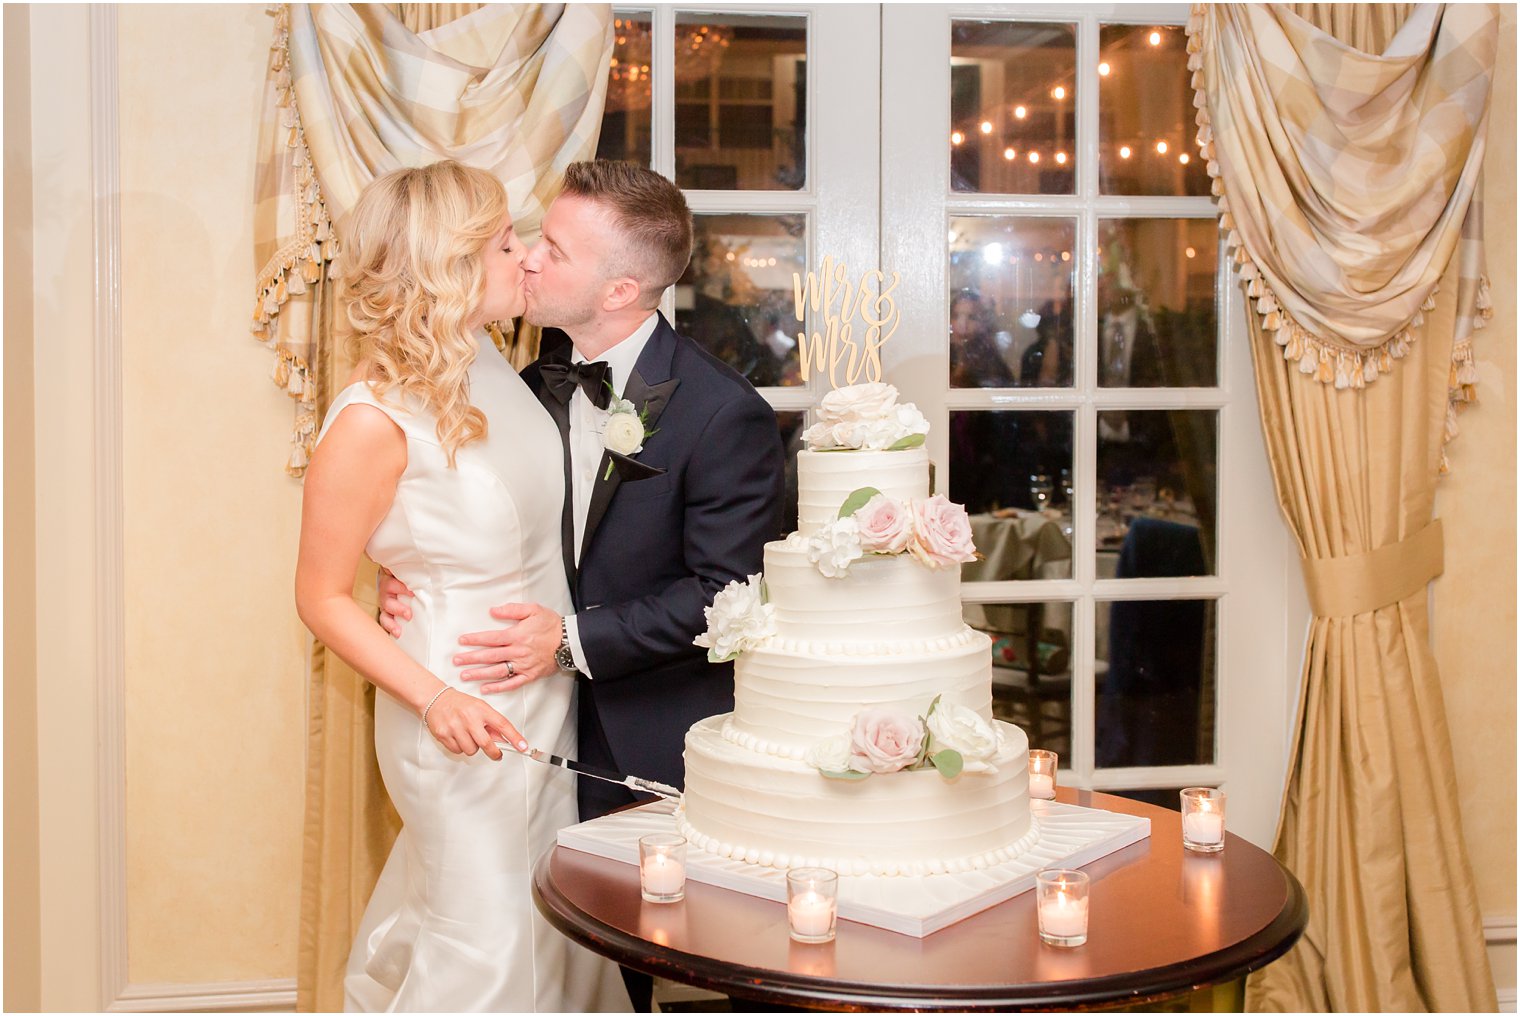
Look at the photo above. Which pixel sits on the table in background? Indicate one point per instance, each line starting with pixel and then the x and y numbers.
pixel 1163 922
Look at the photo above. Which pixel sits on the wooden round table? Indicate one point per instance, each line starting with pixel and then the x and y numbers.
pixel 1162 922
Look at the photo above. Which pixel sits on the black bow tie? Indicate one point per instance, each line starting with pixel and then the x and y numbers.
pixel 563 378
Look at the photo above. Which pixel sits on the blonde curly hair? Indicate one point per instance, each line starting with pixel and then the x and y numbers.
pixel 412 275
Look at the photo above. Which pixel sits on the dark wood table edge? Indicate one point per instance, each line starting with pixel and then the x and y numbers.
pixel 780 987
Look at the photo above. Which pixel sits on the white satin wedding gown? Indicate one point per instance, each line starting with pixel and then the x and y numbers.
pixel 451 925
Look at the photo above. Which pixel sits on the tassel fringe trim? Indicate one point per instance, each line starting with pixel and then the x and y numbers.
pixel 1328 362
pixel 300 264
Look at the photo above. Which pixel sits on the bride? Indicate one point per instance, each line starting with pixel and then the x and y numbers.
pixel 440 465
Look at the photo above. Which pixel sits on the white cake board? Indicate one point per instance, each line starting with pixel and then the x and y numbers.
pixel 1070 837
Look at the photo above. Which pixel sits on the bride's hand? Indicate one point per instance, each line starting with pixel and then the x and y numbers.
pixel 464 724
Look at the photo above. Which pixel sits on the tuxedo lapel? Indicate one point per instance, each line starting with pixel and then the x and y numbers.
pixel 561 414
pixel 649 389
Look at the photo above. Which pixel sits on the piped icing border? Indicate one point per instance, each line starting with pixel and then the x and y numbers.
pixel 891 867
pixel 967 636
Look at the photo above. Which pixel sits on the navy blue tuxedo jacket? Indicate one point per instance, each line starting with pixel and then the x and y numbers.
pixel 665 531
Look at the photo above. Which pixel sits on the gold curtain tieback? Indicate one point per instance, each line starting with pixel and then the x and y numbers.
pixel 1361 583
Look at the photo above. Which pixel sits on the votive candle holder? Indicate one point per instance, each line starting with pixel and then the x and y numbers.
pixel 1203 819
pixel 662 867
pixel 1061 903
pixel 1042 774
pixel 812 904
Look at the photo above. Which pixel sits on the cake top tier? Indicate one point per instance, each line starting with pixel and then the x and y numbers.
pixel 864 437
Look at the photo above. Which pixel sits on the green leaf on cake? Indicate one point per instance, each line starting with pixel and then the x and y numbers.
pixel 848 774
pixel 857 501
pixel 948 762
pixel 904 443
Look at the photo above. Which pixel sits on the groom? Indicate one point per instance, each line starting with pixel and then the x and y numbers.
pixel 652 528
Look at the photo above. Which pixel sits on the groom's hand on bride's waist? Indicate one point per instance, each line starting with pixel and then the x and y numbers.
pixel 511 657
pixel 394 610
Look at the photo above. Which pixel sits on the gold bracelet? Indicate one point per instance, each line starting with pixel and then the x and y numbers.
pixel 430 705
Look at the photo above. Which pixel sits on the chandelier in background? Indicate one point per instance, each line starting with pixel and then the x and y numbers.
pixel 699 54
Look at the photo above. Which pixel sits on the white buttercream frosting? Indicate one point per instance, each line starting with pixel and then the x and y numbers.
pixel 825 479
pixel 883 598
pixel 784 813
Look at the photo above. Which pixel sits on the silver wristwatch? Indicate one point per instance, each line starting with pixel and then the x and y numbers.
pixel 563 657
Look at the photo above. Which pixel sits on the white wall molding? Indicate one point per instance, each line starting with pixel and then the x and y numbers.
pixel 229 996
pixel 109 513
pixel 1499 935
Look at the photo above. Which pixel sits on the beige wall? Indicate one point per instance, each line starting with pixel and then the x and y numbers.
pixel 23 956
pixel 214 663
pixel 1474 629
pixel 214 651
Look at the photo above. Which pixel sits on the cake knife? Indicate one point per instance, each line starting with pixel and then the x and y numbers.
pixel 631 782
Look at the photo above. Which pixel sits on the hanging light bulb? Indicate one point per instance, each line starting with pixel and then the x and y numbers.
pixel 956 137
pixel 1161 147
pixel 1103 68
pixel 1061 158
pixel 1190 252
pixel 1034 157
pixel 1058 93
pixel 986 126
pixel 1155 39
pixel 1010 154
pixel 1184 158
pixel 1020 112
pixel 1125 151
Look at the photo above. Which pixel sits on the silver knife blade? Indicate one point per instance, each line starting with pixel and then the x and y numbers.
pixel 631 782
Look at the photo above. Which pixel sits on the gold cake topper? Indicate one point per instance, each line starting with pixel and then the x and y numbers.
pixel 831 293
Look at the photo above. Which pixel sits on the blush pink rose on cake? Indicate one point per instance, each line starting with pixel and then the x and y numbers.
pixel 884 741
pixel 942 533
pixel 886 525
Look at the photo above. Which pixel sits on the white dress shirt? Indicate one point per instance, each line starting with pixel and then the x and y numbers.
pixel 587 423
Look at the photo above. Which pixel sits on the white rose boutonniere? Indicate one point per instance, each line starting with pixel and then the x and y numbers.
pixel 738 620
pixel 626 429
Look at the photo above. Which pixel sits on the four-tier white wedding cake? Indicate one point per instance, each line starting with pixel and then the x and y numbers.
pixel 862 736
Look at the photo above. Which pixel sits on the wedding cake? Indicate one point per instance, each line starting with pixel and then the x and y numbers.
pixel 862 736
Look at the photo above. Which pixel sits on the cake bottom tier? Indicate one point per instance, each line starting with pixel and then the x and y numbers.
pixel 784 814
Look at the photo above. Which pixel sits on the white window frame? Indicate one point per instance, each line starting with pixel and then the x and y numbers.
pixel 841 192
pixel 877 193
pixel 1260 612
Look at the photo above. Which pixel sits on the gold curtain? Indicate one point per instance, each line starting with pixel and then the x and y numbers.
pixel 1369 815
pixel 353 91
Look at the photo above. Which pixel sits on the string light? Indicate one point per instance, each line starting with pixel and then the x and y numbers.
pixel 1058 93
pixel 1034 156
pixel 1184 158
pixel 1190 252
pixel 1161 147
pixel 1066 255
pixel 1125 152
pixel 1103 68
pixel 1020 112
pixel 986 126
pixel 1010 154
pixel 1155 38
pixel 956 137
pixel 1038 256
pixel 1061 158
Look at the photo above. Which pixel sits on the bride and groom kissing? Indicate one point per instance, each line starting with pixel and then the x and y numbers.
pixel 550 567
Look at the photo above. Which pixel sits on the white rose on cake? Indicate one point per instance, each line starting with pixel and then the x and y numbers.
pixel 834 547
pixel 738 620
pixel 963 730
pixel 831 755
pixel 865 417
pixel 871 401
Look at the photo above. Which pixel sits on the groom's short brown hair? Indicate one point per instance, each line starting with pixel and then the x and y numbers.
pixel 651 214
